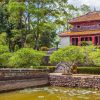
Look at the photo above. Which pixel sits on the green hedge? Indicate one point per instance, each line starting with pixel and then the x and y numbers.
pixel 81 70
pixel 50 68
pixel 88 70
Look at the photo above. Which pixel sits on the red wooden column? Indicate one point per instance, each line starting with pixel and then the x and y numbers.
pixel 88 38
pixel 79 41
pixel 98 40
pixel 93 40
pixel 70 40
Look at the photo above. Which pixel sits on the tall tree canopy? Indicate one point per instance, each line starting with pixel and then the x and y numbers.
pixel 31 22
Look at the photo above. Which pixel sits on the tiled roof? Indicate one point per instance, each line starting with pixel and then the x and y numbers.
pixel 92 16
pixel 91 32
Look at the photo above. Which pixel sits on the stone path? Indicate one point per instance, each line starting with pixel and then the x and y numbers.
pixel 77 75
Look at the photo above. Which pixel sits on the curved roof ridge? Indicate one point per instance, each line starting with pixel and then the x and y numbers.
pixel 90 16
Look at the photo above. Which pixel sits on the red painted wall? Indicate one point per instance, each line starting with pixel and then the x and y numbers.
pixel 82 26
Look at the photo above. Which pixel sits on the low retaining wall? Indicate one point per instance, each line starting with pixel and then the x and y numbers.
pixel 14 79
pixel 21 84
pixel 75 81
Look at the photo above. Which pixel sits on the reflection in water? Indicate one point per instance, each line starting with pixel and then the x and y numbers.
pixel 52 93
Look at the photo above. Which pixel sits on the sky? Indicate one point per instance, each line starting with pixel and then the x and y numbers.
pixel 92 3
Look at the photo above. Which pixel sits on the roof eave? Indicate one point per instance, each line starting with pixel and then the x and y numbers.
pixel 73 22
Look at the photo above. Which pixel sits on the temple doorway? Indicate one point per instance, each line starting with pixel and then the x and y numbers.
pixel 97 40
pixel 75 41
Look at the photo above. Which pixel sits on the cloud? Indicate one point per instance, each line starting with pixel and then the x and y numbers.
pixel 92 3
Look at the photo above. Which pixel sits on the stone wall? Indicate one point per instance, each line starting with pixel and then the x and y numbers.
pixel 11 72
pixel 77 81
pixel 14 79
pixel 21 84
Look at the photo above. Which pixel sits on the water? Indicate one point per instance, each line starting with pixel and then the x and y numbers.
pixel 52 93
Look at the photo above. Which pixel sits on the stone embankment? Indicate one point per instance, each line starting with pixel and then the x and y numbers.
pixel 81 81
pixel 14 79
pixel 21 84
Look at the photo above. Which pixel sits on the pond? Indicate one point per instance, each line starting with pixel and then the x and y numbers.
pixel 52 93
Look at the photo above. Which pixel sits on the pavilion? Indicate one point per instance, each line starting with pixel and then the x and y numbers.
pixel 84 28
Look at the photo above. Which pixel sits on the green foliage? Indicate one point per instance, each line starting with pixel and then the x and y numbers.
pixel 4 59
pixel 26 57
pixel 80 70
pixel 71 54
pixel 85 9
pixel 47 38
pixel 3 39
pixel 48 68
pixel 95 56
pixel 86 55
pixel 29 41
pixel 3 20
pixel 35 19
pixel 86 43
pixel 86 50
pixel 15 8
pixel 34 23
pixel 98 47
pixel 89 70
pixel 3 49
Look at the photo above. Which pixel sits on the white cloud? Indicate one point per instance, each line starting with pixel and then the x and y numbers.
pixel 91 3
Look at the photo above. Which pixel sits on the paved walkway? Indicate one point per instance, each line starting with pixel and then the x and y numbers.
pixel 78 75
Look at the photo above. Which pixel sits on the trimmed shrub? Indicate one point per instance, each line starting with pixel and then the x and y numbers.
pixel 95 56
pixel 70 54
pixel 3 55
pixel 3 49
pixel 4 59
pixel 49 68
pixel 88 70
pixel 26 57
pixel 87 50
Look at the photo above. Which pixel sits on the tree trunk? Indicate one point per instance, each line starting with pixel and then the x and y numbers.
pixel 38 31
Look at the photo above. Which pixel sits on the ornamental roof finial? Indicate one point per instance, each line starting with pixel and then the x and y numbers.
pixel 94 9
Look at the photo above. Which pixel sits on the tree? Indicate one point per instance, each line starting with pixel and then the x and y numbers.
pixel 47 15
pixel 82 10
pixel 67 57
pixel 16 12
pixel 47 39
pixel 86 55
pixel 34 18
pixel 3 20
pixel 85 9
pixel 70 54
pixel 86 50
